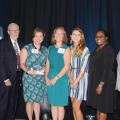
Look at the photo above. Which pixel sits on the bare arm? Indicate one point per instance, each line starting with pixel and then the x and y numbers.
pixel 81 74
pixel 66 63
pixel 23 57
pixel 47 68
pixel 69 75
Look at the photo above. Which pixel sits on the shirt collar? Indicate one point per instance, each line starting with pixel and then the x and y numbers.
pixel 13 40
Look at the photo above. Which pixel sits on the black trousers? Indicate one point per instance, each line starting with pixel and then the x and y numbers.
pixel 8 99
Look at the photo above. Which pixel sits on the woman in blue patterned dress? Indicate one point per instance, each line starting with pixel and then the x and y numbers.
pixel 56 73
pixel 32 61
pixel 78 74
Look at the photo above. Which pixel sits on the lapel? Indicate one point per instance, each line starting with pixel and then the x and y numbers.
pixel 20 44
pixel 10 48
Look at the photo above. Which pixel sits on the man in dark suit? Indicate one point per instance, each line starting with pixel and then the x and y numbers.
pixel 9 73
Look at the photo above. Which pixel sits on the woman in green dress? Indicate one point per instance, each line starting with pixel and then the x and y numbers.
pixel 56 73
pixel 32 61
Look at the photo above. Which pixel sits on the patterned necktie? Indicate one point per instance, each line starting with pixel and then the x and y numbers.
pixel 17 53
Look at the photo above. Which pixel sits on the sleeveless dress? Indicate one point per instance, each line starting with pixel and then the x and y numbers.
pixel 34 88
pixel 79 64
pixel 58 93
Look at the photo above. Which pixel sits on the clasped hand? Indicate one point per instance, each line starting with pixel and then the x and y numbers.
pixel 50 82
pixel 34 73
pixel 73 83
pixel 31 72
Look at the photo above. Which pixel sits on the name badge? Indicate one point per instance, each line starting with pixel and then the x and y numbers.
pixel 35 51
pixel 61 50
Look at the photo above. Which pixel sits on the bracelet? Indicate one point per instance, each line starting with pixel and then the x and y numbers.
pixel 57 76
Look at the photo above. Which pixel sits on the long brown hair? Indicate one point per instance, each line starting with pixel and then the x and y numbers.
pixel 80 47
pixel 64 40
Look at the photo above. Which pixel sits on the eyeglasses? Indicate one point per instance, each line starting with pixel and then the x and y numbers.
pixel 14 30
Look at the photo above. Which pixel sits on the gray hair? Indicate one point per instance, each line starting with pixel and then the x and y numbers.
pixel 13 24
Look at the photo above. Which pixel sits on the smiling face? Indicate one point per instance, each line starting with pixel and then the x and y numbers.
pixel 76 37
pixel 100 38
pixel 77 41
pixel 59 34
pixel 38 38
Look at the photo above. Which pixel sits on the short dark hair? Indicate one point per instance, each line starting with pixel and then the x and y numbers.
pixel 37 29
pixel 103 31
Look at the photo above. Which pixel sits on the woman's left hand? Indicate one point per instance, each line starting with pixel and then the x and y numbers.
pixel 42 72
pixel 71 83
pixel 75 83
pixel 53 81
pixel 48 82
pixel 31 72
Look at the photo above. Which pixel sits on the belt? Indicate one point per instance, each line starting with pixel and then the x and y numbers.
pixel 75 68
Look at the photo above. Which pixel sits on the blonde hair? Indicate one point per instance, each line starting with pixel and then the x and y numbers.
pixel 80 47
pixel 64 40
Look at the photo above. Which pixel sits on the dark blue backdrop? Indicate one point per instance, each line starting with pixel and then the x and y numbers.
pixel 47 14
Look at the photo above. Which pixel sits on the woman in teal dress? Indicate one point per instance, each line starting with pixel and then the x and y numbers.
pixel 32 61
pixel 56 73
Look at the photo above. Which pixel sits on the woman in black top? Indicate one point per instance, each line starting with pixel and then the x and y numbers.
pixel 101 77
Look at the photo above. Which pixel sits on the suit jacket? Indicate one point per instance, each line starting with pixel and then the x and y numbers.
pixel 8 60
